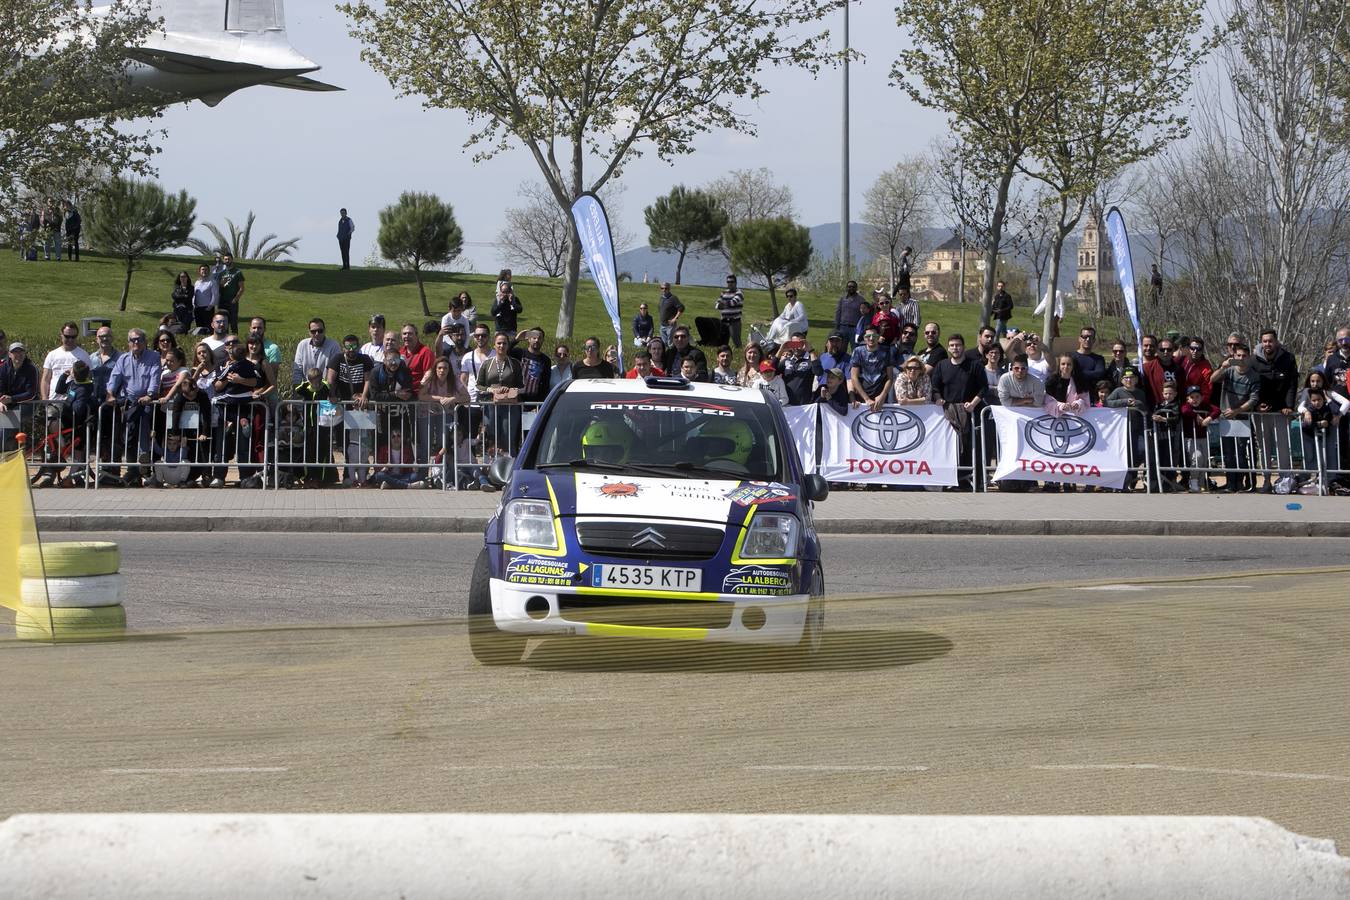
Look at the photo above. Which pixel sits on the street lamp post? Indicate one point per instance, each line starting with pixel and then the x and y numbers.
pixel 843 189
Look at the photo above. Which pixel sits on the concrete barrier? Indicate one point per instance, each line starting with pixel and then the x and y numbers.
pixel 658 856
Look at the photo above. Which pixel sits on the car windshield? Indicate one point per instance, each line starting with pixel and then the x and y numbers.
pixel 660 433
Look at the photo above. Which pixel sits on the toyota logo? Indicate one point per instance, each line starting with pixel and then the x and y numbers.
pixel 1064 437
pixel 892 429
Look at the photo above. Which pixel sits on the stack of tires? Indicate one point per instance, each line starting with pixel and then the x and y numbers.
pixel 79 600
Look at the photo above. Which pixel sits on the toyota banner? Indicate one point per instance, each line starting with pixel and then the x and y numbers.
pixel 892 445
pixel 1089 448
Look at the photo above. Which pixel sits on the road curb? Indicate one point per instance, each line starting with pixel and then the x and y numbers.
pixel 660 856
pixel 475 524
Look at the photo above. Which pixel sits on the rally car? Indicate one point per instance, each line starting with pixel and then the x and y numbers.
pixel 653 508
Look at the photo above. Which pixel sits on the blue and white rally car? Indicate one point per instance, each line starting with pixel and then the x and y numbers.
pixel 651 509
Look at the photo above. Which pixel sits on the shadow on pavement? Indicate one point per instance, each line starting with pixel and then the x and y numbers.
pixel 841 651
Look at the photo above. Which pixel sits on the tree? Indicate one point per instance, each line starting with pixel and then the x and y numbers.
pixel 417 232
pixel 132 218
pixel 773 251
pixel 994 66
pixel 536 235
pixel 685 221
pixel 57 96
pixel 1135 60
pixel 603 79
pixel 1285 63
pixel 238 243
pixel 897 206
pixel 745 194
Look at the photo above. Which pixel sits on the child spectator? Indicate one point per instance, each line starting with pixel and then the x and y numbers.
pixel 392 461
pixel 1167 438
pixel 689 369
pixel 1197 414
pixel 1319 427
pixel 1130 396
pixel 835 392
pixel 1100 391
pixel 317 433
pixel 173 461
pixel 77 389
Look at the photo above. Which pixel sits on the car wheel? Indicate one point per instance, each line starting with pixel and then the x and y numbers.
pixel 813 632
pixel 490 645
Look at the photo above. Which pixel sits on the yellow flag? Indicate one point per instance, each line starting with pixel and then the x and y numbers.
pixel 20 555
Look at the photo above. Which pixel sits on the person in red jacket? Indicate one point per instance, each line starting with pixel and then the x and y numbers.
pixel 1161 369
pixel 1198 370
pixel 885 321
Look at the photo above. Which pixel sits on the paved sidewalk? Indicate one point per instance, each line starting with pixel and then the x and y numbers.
pixel 845 512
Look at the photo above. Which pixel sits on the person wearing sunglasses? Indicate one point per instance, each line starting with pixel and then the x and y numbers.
pixel 1198 370
pixel 315 353
pixel 59 359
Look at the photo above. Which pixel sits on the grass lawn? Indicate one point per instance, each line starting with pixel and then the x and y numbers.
pixel 36 297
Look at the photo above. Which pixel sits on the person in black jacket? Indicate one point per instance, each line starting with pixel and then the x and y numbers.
pixel 71 218
pixel 1278 371
pixel 1089 367
pixel 506 310
pixel 958 384
pixel 182 299
pixel 1002 308
pixel 848 311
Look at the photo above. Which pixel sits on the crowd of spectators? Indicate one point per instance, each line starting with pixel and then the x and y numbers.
pixel 458 390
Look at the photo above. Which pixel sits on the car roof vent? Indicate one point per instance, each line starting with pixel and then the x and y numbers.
pixel 668 382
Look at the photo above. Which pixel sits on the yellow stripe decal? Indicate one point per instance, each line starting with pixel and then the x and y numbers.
pixel 672 595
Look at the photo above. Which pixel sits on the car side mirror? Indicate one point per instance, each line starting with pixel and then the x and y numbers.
pixel 499 473
pixel 817 488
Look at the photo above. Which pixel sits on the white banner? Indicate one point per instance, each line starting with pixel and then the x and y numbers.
pixel 801 421
pixel 893 445
pixel 1091 448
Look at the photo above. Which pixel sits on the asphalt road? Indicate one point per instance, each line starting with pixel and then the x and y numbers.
pixel 969 687
pixel 231 579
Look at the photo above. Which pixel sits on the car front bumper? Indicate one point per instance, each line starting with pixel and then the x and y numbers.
pixel 729 618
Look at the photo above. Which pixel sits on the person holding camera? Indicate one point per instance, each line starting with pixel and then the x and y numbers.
pixel 506 310
pixel 233 383
pixel 797 364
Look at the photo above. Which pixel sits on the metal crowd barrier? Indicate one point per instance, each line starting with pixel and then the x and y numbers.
pixel 112 444
pixel 1269 446
pixel 1140 459
pixel 257 443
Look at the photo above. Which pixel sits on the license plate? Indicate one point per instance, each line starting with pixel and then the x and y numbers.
pixel 649 578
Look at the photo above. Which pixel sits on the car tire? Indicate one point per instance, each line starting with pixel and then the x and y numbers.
pixel 90 592
pixel 813 630
pixel 69 559
pixel 490 645
pixel 105 623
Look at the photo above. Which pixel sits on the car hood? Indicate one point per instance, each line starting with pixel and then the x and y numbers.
pixel 588 494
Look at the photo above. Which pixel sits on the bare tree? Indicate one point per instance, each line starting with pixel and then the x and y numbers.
pixel 536 233
pixel 1038 237
pixel 898 205
pixel 1284 63
pixel 747 194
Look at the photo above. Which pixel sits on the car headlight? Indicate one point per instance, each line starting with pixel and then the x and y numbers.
pixel 771 535
pixel 529 523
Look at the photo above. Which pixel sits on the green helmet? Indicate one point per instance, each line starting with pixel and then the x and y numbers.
pixel 736 433
pixel 607 442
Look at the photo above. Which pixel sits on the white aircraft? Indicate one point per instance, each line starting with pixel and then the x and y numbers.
pixel 208 49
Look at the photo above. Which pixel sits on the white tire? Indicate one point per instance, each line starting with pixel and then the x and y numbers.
pixel 103 624
pixel 73 593
pixel 69 559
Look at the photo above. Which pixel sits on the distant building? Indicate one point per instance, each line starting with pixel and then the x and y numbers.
pixel 938 277
pixel 1085 280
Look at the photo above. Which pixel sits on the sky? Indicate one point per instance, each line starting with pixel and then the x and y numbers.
pixel 295 158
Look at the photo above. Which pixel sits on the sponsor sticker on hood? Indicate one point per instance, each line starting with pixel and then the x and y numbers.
pixel 753 493
pixel 670 498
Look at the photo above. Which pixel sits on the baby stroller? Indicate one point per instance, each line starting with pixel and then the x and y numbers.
pixel 712 331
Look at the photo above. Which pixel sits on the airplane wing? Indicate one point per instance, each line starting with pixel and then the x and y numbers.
pixel 301 83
